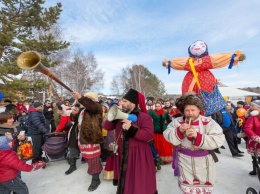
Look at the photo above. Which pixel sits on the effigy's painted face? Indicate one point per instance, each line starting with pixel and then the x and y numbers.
pixel 198 48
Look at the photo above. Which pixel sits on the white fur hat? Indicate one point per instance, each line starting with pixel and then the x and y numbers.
pixel 92 95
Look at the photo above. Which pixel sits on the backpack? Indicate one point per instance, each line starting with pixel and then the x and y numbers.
pixel 226 119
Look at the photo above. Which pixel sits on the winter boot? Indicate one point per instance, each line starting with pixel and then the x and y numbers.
pixel 157 163
pixel 161 161
pixel 253 172
pixel 95 182
pixel 72 162
pixel 83 161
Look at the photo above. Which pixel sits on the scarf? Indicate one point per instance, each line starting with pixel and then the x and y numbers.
pixel 160 111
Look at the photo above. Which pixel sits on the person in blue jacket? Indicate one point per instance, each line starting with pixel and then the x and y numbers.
pixel 37 128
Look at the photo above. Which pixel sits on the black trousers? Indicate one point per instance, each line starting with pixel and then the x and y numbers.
pixel 231 140
pixel 16 185
pixel 53 126
pixel 50 124
pixel 37 141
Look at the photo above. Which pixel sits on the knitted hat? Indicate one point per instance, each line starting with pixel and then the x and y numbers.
pixel 72 100
pixel 37 104
pixel 23 111
pixel 92 95
pixel 256 102
pixel 58 104
pixel 4 140
pixel 241 103
pixel 8 101
pixel 105 105
pixel 137 98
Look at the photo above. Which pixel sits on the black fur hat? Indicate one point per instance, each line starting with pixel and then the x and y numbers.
pixel 132 96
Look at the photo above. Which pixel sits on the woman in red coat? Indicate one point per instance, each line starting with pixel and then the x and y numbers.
pixel 252 130
pixel 65 120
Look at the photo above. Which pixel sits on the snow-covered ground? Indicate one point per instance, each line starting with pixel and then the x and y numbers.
pixel 232 177
pixel 2 109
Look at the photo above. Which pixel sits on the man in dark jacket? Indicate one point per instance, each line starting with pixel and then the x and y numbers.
pixel 37 128
pixel 48 114
pixel 225 120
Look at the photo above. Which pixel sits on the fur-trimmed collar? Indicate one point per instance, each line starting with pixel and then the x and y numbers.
pixel 9 126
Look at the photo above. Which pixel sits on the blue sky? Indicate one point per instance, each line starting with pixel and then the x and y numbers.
pixel 127 32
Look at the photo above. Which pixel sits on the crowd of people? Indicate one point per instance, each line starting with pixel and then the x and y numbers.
pixel 129 152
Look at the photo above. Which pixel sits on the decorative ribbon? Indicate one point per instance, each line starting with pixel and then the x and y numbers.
pixel 232 61
pixel 169 67
pixel 187 152
pixel 194 72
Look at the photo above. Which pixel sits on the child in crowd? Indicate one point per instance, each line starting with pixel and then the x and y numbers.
pixel 10 165
pixel 22 120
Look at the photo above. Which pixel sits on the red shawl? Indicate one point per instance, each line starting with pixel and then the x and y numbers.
pixel 160 111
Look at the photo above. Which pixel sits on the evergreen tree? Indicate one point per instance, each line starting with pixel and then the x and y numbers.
pixel 26 25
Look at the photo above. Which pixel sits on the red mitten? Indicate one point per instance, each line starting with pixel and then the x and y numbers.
pixel 38 165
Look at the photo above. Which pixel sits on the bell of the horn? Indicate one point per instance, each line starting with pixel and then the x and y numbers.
pixel 114 113
pixel 32 60
pixel 29 60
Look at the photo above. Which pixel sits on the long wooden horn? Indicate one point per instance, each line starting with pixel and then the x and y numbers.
pixel 32 60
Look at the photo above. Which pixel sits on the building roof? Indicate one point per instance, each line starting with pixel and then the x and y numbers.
pixel 229 91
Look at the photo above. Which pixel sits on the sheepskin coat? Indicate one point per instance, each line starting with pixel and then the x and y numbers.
pixel 91 126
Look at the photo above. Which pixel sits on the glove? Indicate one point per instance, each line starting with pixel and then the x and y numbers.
pixel 132 117
pixel 38 165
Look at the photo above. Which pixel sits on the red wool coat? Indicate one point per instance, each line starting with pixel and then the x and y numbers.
pixel 10 165
pixel 252 130
pixel 63 122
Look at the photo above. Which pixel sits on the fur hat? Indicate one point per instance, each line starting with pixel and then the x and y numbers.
pixel 4 140
pixel 190 98
pixel 137 98
pixel 92 95
pixel 132 96
pixel 256 102
pixel 37 104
